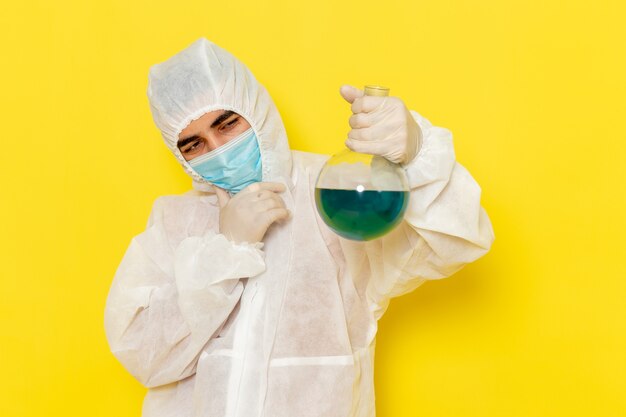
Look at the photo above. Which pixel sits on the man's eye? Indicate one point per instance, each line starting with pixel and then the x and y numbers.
pixel 193 146
pixel 230 124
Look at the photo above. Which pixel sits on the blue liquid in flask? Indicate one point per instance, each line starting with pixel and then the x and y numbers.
pixel 361 215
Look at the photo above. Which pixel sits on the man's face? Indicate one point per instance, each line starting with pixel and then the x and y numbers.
pixel 209 132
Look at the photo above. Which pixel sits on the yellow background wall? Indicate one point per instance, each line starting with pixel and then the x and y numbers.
pixel 533 91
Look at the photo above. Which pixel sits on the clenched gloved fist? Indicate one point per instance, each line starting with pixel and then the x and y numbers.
pixel 247 216
pixel 381 126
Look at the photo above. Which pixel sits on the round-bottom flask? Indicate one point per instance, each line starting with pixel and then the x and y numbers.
pixel 360 196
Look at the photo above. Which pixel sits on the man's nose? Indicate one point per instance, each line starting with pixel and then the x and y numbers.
pixel 215 141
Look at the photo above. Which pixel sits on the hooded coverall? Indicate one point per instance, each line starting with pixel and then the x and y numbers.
pixel 286 327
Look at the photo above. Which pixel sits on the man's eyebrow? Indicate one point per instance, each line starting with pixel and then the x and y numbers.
pixel 216 122
pixel 185 141
pixel 222 117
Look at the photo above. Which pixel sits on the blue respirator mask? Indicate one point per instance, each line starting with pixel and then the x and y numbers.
pixel 234 165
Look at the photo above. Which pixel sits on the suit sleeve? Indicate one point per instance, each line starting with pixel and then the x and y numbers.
pixel 444 227
pixel 170 296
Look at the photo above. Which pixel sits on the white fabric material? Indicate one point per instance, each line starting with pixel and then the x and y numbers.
pixel 286 327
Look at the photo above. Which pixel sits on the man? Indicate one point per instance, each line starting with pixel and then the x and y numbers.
pixel 237 300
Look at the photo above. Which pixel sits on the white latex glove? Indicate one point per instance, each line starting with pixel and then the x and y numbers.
pixel 247 216
pixel 381 126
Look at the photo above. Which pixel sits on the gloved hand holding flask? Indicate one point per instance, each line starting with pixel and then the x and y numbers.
pixel 381 126
pixel 362 192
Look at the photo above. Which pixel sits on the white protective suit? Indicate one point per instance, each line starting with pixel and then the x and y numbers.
pixel 283 328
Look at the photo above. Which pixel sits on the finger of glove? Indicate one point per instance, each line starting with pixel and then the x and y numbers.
pixel 350 93
pixel 276 214
pixel 393 146
pixel 366 134
pixel 367 104
pixel 385 130
pixel 278 201
pixel 362 120
pixel 269 204
pixel 264 196
pixel 277 187
pixel 222 196
pixel 368 147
